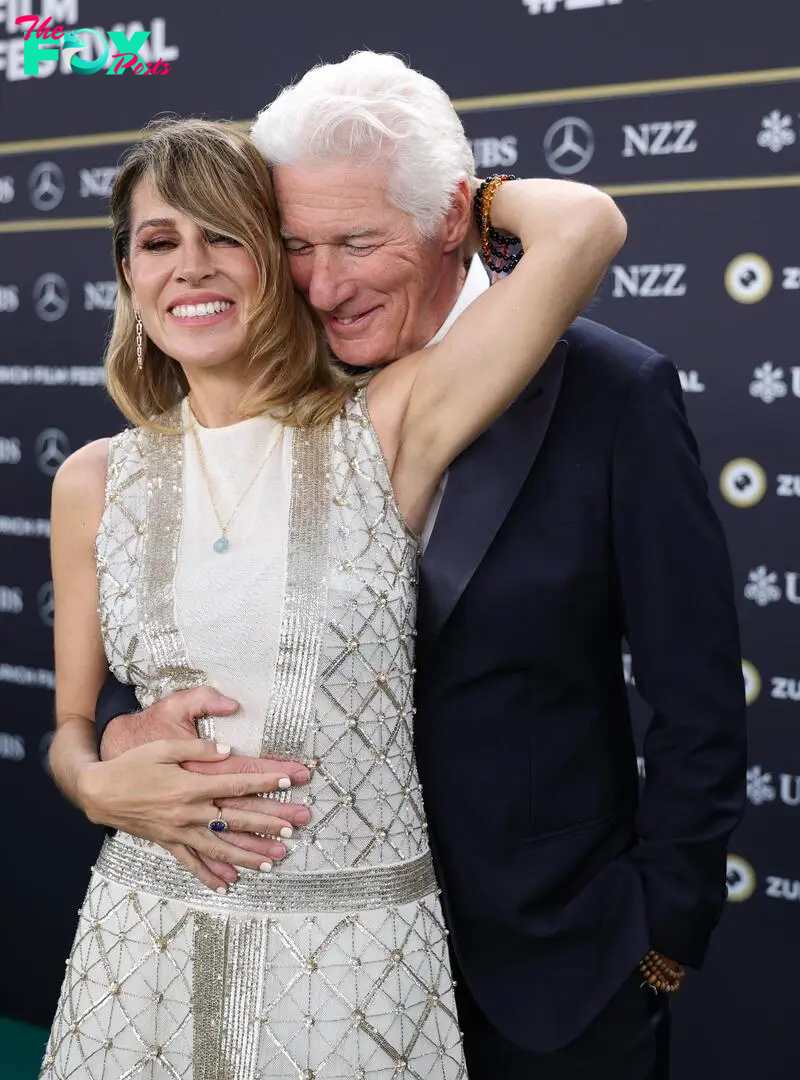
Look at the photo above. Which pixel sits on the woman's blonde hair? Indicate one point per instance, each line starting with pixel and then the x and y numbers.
pixel 211 171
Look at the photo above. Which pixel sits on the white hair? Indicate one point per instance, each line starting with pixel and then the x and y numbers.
pixel 373 108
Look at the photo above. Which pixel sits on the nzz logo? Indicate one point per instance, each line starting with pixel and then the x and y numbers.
pixel 97 183
pixel 660 138
pixel 649 280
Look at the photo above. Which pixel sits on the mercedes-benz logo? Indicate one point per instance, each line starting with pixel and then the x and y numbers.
pixel 46 186
pixel 51 297
pixel 569 145
pixel 46 606
pixel 52 448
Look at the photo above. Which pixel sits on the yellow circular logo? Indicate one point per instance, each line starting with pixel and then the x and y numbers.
pixel 741 879
pixel 748 278
pixel 752 681
pixel 743 482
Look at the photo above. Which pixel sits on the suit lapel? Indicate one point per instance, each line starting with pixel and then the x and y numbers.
pixel 482 485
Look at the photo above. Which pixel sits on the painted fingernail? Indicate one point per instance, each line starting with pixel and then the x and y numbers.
pixel 287 833
pixel 284 783
pixel 223 748
pixel 222 890
pixel 265 867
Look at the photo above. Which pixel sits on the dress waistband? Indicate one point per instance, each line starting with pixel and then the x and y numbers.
pixel 349 890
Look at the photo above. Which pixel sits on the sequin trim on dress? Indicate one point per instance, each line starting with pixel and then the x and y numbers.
pixel 163 457
pixel 302 623
pixel 334 890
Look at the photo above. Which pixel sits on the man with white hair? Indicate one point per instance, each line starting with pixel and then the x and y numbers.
pixel 579 520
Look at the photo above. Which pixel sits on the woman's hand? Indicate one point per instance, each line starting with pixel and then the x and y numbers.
pixel 145 792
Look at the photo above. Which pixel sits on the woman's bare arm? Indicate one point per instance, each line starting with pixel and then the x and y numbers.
pixel 438 400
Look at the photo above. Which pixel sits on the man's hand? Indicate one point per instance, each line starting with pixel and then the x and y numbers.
pixel 175 717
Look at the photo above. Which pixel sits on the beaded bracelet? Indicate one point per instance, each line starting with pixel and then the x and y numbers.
pixel 496 246
pixel 659 975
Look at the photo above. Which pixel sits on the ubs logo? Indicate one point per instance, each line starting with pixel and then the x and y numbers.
pixel 12 747
pixel 11 602
pixel 491 152
pixel 10 451
pixel 9 298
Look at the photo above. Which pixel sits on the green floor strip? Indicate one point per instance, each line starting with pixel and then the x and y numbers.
pixel 21 1050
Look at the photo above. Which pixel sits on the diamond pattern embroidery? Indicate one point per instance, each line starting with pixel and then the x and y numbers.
pixel 125 1004
pixel 119 552
pixel 365 795
pixel 372 989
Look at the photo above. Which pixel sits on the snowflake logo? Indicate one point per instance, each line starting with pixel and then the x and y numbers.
pixel 763 587
pixel 776 132
pixel 768 384
pixel 760 788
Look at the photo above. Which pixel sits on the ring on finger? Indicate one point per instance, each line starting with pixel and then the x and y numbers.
pixel 218 824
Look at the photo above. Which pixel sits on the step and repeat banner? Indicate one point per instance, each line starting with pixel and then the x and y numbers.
pixel 689 114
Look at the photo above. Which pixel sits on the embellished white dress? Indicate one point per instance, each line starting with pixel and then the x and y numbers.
pixel 334 966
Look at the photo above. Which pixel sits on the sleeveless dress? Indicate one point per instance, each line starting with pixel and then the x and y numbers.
pixel 333 966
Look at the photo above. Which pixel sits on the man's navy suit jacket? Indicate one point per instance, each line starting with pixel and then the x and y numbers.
pixel 579 520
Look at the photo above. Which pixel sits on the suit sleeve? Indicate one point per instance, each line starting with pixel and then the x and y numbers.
pixel 682 629
pixel 115 699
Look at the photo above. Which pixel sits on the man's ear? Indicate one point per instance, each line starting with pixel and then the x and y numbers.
pixel 458 218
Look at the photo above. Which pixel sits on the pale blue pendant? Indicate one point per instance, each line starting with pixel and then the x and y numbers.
pixel 221 545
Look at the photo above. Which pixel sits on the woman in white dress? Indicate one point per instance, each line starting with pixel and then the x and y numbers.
pixel 256 528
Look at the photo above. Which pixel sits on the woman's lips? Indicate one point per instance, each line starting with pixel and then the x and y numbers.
pixel 202 320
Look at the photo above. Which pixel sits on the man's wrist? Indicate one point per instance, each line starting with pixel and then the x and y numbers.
pixel 102 725
pixel 661 973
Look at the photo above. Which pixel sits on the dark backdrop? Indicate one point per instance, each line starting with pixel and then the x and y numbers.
pixel 688 112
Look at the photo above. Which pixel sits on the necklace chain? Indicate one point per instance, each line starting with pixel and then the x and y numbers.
pixel 221 545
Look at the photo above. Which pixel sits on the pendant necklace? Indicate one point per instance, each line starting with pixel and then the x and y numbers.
pixel 222 544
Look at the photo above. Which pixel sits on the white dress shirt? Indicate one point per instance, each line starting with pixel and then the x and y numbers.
pixel 476 283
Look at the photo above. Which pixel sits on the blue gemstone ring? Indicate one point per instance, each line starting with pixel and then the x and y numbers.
pixel 218 824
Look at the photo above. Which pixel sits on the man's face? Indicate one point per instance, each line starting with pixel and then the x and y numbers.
pixel 381 290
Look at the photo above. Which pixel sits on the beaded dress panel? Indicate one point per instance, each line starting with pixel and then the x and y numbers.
pixel 334 966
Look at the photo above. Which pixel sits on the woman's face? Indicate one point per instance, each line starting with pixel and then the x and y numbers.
pixel 193 288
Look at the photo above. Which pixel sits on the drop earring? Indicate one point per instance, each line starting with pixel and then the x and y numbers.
pixel 139 345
